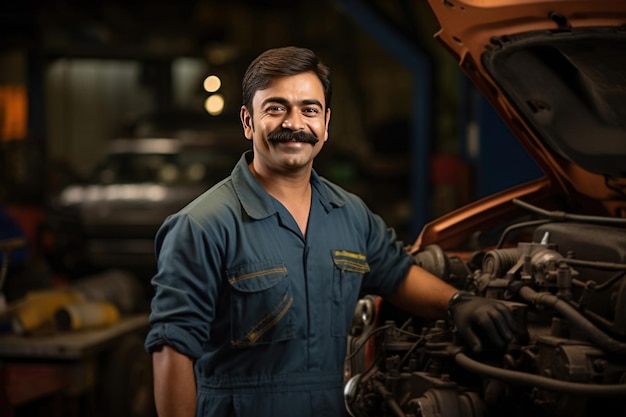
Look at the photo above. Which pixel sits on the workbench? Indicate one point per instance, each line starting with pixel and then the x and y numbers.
pixel 106 364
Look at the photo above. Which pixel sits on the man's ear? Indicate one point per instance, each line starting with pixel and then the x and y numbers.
pixel 246 122
pixel 327 124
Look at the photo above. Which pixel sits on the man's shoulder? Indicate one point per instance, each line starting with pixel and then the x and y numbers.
pixel 217 199
pixel 215 211
pixel 337 193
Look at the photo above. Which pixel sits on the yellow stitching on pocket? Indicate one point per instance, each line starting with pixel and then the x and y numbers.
pixel 256 274
pixel 349 254
pixel 352 266
pixel 350 261
pixel 266 323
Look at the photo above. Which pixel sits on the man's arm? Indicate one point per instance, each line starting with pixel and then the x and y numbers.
pixel 174 383
pixel 425 295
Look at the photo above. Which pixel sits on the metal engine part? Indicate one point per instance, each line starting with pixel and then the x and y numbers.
pixel 567 288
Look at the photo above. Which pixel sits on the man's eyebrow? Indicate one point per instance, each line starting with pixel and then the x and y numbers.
pixel 284 101
pixel 312 102
pixel 279 100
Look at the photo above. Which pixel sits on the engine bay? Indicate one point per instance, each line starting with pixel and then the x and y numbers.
pixel 563 275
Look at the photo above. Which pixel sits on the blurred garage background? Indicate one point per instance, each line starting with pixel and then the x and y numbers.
pixel 115 113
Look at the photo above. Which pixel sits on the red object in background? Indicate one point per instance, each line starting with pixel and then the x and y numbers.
pixel 25 382
pixel 451 182
pixel 447 168
pixel 29 219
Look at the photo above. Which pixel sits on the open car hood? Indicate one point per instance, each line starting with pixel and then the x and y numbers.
pixel 556 73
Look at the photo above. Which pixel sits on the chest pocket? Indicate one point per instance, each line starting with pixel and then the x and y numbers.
pixel 350 267
pixel 261 301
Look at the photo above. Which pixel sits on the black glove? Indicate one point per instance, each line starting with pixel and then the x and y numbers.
pixel 474 316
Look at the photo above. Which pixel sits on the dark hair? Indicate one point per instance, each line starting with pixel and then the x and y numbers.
pixel 279 62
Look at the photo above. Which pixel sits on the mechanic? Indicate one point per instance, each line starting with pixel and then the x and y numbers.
pixel 258 277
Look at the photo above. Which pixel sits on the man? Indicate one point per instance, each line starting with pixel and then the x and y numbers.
pixel 258 277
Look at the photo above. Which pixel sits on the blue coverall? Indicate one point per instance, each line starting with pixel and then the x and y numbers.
pixel 263 310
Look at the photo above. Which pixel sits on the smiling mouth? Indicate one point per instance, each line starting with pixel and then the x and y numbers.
pixel 286 136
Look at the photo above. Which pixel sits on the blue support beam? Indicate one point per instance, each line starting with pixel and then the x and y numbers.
pixel 419 65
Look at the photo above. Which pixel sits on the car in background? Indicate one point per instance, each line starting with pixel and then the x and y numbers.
pixel 553 249
pixel 110 219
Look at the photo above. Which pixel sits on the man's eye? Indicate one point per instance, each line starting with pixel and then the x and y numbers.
pixel 274 109
pixel 311 110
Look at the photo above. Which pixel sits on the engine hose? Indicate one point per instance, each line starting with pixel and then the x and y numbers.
pixel 598 337
pixel 560 215
pixel 530 380
pixel 389 400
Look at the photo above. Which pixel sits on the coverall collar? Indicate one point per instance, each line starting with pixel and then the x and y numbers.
pixel 257 203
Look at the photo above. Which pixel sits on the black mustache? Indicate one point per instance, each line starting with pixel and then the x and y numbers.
pixel 286 135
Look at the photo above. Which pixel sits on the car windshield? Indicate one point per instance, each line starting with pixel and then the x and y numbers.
pixel 186 165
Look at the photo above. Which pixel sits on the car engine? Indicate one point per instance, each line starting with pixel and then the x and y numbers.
pixel 564 277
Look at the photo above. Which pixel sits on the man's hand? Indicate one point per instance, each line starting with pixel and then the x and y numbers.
pixel 474 316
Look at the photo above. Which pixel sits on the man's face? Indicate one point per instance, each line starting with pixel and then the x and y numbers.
pixel 290 123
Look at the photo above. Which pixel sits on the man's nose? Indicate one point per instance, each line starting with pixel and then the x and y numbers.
pixel 293 121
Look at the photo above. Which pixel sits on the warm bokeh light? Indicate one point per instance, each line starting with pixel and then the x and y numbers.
pixel 214 104
pixel 212 83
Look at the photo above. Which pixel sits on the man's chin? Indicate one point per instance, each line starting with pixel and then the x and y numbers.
pixel 295 159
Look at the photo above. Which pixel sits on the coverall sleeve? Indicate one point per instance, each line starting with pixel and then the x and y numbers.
pixel 186 285
pixel 389 261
